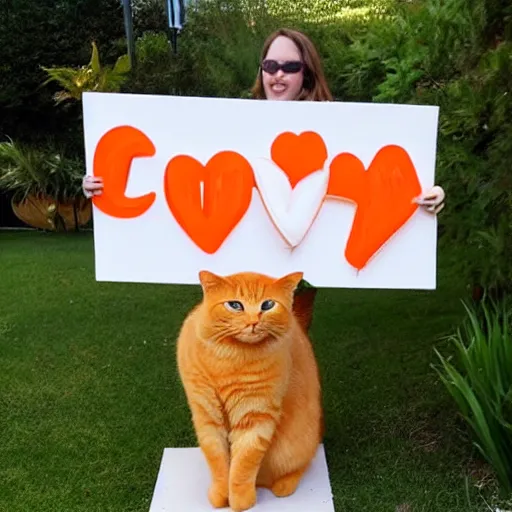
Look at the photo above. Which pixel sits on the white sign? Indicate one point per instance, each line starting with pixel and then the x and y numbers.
pixel 231 185
pixel 184 478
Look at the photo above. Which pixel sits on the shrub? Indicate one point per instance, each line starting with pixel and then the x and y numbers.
pixel 148 16
pixel 157 71
pixel 38 171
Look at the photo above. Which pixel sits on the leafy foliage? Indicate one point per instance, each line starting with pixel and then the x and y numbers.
pixel 92 77
pixel 156 72
pixel 28 171
pixel 326 11
pixel 148 16
pixel 481 384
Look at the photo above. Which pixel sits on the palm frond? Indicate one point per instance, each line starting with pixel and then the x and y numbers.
pixel 92 77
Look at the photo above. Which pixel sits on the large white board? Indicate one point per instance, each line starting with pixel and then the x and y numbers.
pixel 273 187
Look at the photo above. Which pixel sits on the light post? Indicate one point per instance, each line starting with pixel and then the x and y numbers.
pixel 128 28
pixel 175 18
pixel 175 10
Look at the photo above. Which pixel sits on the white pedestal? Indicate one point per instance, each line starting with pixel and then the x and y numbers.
pixel 183 481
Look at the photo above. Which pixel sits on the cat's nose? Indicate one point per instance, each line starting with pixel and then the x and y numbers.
pixel 253 319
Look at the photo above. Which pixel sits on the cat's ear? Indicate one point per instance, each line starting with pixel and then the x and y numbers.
pixel 289 282
pixel 209 280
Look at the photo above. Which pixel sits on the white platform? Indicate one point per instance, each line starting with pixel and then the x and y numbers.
pixel 183 481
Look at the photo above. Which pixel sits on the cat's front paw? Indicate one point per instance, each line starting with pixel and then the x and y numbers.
pixel 218 495
pixel 242 497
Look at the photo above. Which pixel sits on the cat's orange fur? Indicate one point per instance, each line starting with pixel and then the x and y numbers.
pixel 252 385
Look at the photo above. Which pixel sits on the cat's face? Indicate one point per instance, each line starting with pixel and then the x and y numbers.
pixel 248 307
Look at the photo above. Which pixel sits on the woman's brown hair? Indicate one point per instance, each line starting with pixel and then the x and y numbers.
pixel 315 86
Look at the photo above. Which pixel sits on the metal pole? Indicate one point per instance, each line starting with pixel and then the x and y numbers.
pixel 174 10
pixel 128 28
pixel 174 40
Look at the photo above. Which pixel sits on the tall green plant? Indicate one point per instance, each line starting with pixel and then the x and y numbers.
pixel 92 77
pixel 481 383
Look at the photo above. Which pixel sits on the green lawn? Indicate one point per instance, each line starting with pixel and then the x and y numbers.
pixel 90 396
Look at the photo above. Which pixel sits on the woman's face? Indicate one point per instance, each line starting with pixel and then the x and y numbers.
pixel 282 85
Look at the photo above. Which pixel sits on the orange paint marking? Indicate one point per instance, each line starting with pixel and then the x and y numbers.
pixel 227 180
pixel 383 194
pixel 299 155
pixel 112 161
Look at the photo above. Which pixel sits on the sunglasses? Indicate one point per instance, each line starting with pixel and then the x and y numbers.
pixel 272 66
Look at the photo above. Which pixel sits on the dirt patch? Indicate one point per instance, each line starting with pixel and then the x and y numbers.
pixel 424 437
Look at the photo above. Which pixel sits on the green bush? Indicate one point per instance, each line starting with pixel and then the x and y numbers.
pixel 480 381
pixel 157 71
pixel 148 16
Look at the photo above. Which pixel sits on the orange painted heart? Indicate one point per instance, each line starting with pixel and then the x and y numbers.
pixel 383 194
pixel 299 155
pixel 227 180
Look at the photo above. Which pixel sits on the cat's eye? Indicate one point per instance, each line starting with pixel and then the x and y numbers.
pixel 267 304
pixel 234 305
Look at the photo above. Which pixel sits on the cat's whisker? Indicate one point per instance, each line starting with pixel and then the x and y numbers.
pixel 225 333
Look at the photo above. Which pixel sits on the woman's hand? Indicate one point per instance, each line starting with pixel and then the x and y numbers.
pixel 92 186
pixel 432 200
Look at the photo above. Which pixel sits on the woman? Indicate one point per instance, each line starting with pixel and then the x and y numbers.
pixel 291 70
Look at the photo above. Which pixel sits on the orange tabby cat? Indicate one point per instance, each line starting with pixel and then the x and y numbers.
pixel 252 385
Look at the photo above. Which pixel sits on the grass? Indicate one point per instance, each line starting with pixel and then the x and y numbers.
pixel 90 396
